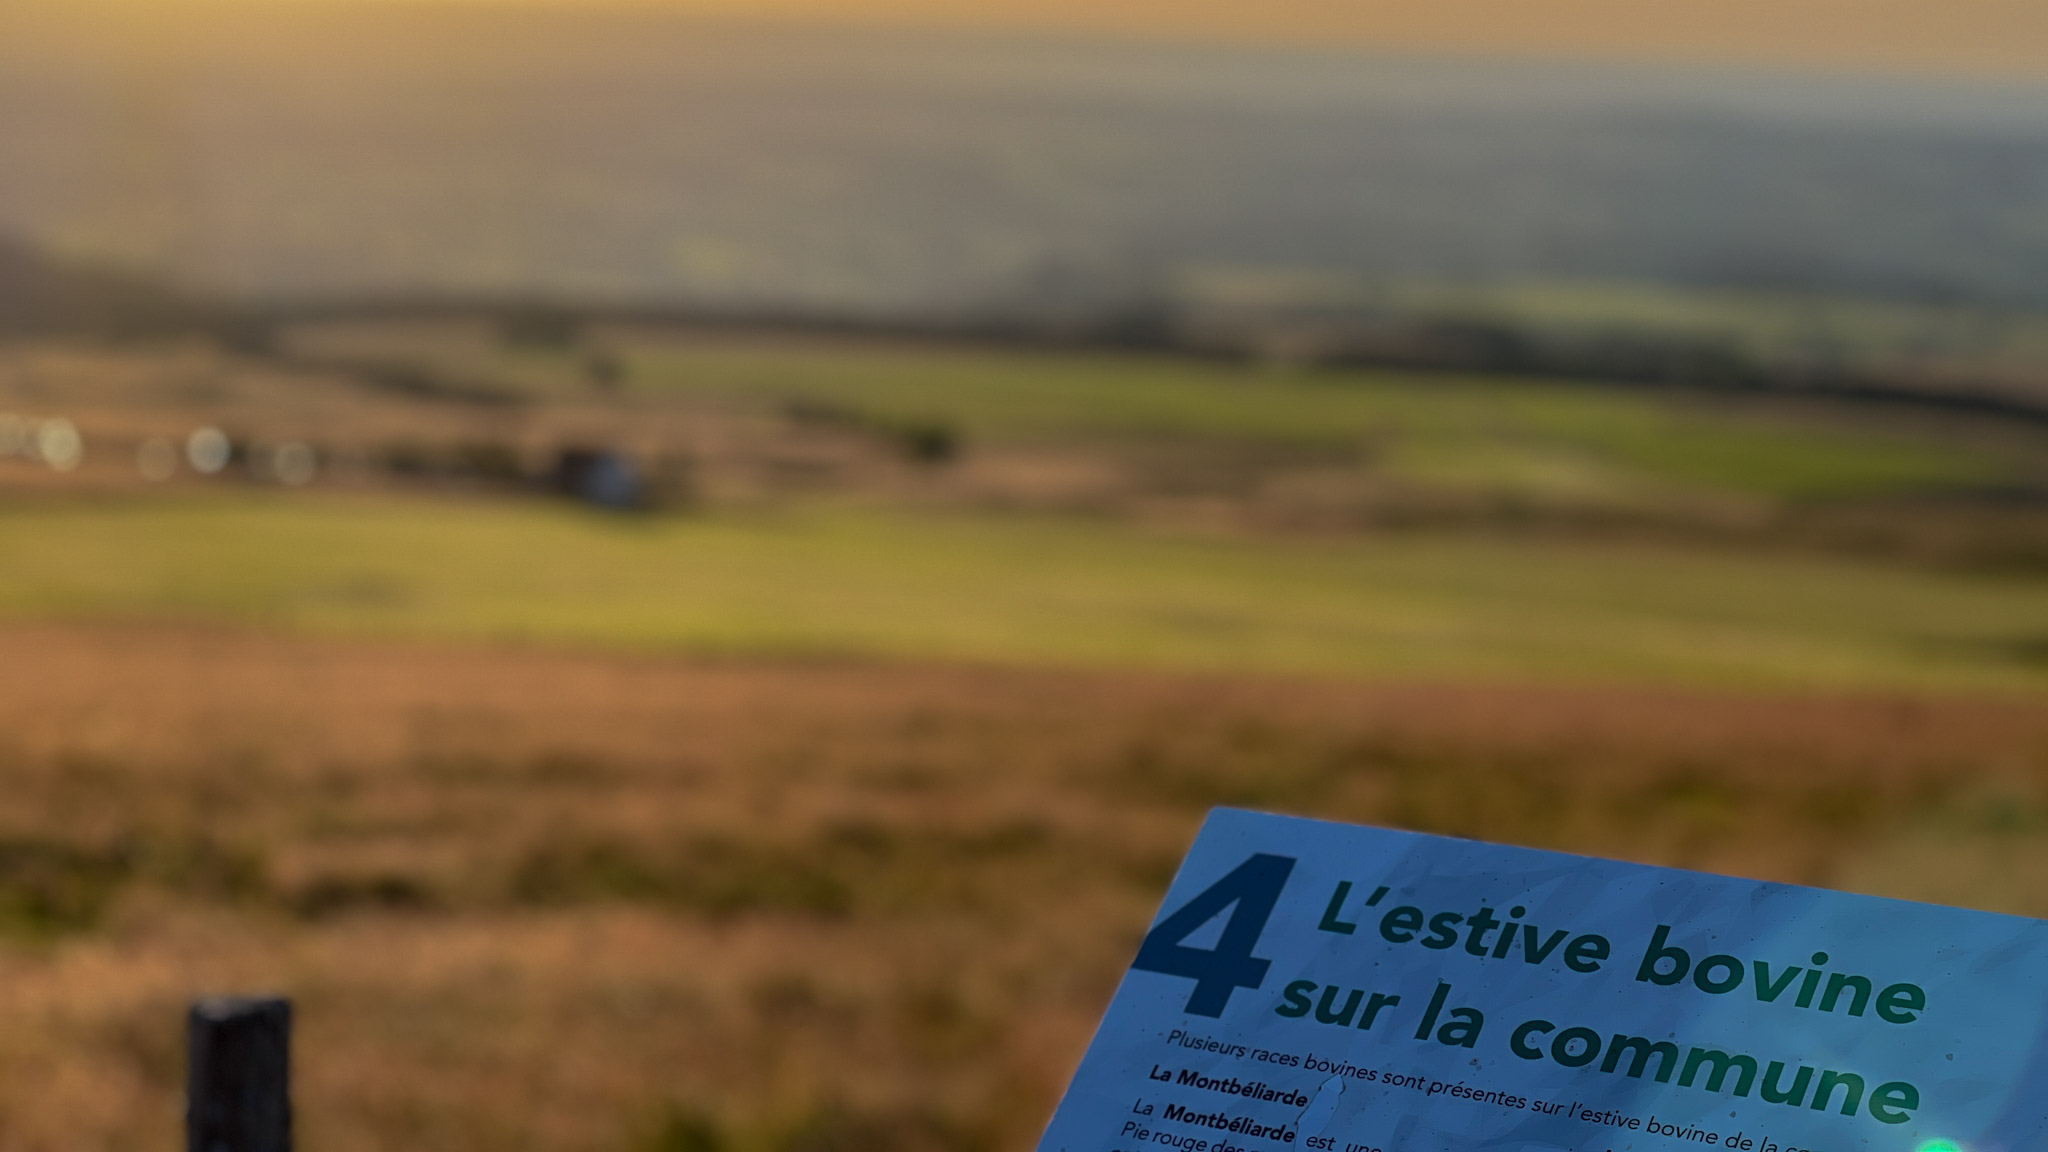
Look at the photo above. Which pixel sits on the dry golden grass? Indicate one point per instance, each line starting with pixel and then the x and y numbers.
pixel 533 900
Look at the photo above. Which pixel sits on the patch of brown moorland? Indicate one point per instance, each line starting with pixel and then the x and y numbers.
pixel 551 901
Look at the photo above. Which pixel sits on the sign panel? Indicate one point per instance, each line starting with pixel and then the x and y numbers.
pixel 1321 986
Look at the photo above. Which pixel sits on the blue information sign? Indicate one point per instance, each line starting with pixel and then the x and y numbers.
pixel 1323 986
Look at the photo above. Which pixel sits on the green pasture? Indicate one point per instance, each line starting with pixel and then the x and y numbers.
pixel 841 581
pixel 1499 435
pixel 2007 344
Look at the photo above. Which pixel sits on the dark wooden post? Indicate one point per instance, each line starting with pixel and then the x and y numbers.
pixel 238 1088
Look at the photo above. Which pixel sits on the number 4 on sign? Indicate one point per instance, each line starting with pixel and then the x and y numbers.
pixel 1253 887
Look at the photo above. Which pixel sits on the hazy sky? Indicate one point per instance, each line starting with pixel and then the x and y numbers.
pixel 2005 39
pixel 338 146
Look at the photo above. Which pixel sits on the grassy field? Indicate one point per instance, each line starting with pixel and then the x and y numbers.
pixel 1549 437
pixel 820 811
pixel 832 581
pixel 1498 433
pixel 1985 345
pixel 541 901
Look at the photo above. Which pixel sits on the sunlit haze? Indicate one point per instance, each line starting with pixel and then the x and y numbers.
pixel 2002 38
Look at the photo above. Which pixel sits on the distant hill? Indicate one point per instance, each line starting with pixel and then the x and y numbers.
pixel 637 156
pixel 41 296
